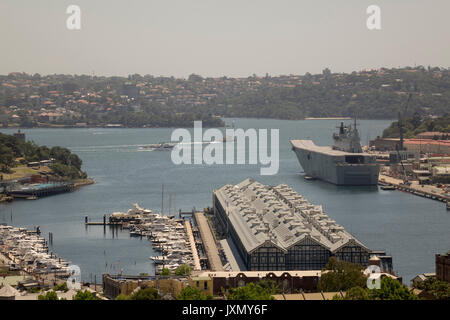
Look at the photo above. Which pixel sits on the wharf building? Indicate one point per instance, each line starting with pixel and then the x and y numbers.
pixel 275 228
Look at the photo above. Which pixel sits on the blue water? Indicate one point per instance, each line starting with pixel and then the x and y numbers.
pixel 410 228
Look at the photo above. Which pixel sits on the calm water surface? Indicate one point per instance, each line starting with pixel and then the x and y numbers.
pixel 410 228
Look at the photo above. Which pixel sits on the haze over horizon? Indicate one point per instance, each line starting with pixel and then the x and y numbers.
pixel 217 38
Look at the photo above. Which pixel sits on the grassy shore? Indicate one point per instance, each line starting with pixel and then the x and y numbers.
pixel 24 171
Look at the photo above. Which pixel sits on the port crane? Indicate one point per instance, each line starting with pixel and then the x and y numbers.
pixel 400 147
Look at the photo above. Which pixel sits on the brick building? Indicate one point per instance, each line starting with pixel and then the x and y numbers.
pixel 443 267
pixel 288 281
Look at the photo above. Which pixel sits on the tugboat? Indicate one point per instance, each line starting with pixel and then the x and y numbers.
pixel 343 163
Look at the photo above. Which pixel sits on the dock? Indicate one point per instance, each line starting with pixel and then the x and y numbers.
pixel 41 190
pixel 197 265
pixel 103 224
pixel 212 252
pixel 426 191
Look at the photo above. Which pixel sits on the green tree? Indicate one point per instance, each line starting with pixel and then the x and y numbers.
pixel 357 293
pixel 392 290
pixel 435 289
pixel 51 295
pixel 146 294
pixel 191 293
pixel 183 270
pixel 165 272
pixel 341 276
pixel 61 287
pixel 251 291
pixel 84 295
pixel 270 286
pixel 123 297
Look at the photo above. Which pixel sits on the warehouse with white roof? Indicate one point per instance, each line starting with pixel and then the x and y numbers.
pixel 275 228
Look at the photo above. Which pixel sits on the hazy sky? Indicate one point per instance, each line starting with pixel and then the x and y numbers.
pixel 221 37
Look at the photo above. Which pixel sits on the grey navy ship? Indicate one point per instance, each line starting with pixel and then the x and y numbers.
pixel 344 163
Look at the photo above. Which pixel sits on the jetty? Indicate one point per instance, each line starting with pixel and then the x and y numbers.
pixel 415 188
pixel 39 190
pixel 209 243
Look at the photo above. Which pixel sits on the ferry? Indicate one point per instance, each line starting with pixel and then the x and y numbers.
pixel 163 146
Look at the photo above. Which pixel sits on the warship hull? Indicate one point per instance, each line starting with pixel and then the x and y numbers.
pixel 334 166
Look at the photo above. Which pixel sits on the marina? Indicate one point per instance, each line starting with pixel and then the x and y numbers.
pixel 27 251
pixel 124 175
pixel 170 237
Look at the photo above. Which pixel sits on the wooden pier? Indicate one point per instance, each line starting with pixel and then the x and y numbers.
pixel 101 223
pixel 209 243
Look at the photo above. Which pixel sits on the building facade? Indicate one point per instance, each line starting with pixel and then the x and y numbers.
pixel 443 267
pixel 214 283
pixel 114 285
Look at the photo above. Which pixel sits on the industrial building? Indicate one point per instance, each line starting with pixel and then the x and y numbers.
pixel 275 228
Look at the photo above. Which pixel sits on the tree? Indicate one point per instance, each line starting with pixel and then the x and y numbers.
pixel 61 287
pixel 51 295
pixel 251 291
pixel 341 276
pixel 122 297
pixel 357 293
pixel 146 294
pixel 165 272
pixel 191 293
pixel 434 289
pixel 84 295
pixel 183 270
pixel 270 286
pixel 392 290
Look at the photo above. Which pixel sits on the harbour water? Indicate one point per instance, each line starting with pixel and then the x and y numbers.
pixel 410 228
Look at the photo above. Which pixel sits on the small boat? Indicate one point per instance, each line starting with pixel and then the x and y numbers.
pixel 448 205
pixel 158 259
pixel 309 178
pixel 387 187
pixel 163 146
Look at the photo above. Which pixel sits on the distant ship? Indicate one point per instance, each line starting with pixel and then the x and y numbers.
pixel 159 147
pixel 344 163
